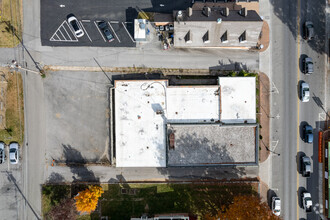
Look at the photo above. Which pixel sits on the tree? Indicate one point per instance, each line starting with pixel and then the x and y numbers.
pixel 64 210
pixel 86 201
pixel 245 207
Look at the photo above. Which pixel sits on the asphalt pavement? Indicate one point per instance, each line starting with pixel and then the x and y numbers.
pixel 287 46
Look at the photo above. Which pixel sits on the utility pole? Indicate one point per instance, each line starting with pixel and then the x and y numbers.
pixel 14 64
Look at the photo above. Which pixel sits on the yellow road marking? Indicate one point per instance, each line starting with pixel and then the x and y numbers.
pixel 298 78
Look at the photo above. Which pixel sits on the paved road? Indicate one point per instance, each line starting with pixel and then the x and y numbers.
pixel 286 50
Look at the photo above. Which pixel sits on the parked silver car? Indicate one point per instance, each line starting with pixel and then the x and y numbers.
pixel 308 30
pixel 308 65
pixel 13 153
pixel 304 92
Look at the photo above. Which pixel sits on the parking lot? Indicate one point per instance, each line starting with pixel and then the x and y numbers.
pixel 119 15
pixel 77 113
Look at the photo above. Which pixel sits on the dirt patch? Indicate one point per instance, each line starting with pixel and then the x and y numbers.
pixel 12 128
pixel 263 116
pixel 264 37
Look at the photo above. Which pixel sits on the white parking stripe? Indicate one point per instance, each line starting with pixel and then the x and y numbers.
pixel 67 33
pixel 114 32
pixel 85 31
pixel 62 34
pixel 114 22
pixel 99 31
pixel 128 32
pixel 86 20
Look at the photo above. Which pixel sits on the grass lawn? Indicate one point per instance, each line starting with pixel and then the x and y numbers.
pixel 14 110
pixel 197 199
pixel 10 21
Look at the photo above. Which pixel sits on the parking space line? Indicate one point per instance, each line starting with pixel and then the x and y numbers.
pixel 128 32
pixel 114 32
pixel 86 20
pixel 99 31
pixel 85 31
pixel 115 22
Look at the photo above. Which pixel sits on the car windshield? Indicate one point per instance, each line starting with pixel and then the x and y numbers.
pixel 12 150
pixel 12 160
pixel 74 25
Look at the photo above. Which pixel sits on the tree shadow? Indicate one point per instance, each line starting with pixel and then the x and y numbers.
pixel 75 161
pixel 314 11
pixel 55 178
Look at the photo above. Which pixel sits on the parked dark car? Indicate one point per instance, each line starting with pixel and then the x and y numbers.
pixel 105 30
pixel 308 133
pixel 308 65
pixel 308 30
pixel 306 166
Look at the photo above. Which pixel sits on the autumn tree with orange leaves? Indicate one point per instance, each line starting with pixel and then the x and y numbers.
pixel 86 201
pixel 245 208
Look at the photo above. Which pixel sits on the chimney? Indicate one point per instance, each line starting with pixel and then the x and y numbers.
pixel 225 12
pixel 207 11
pixel 243 12
pixel 190 12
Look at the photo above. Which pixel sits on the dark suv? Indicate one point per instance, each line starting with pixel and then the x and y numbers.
pixel 308 30
pixel 105 29
pixel 308 134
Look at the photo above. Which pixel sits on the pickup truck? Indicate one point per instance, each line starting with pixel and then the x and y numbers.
pixel 306 166
pixel 2 153
pixel 306 201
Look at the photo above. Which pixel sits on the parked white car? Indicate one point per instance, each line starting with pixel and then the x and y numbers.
pixel 276 206
pixel 13 153
pixel 304 92
pixel 73 21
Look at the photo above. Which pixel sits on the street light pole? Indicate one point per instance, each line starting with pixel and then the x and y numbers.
pixel 15 65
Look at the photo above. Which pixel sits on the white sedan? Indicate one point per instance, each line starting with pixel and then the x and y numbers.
pixel 72 20
pixel 13 153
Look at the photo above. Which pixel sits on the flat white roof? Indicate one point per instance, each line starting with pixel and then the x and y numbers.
pixel 139 124
pixel 193 104
pixel 238 99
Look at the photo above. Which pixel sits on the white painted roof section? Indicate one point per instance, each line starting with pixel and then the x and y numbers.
pixel 140 33
pixel 193 104
pixel 140 131
pixel 238 99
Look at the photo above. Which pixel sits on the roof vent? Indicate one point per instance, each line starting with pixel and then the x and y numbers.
pixel 179 16
pixel 243 12
pixel 207 11
pixel 225 12
pixel 190 12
